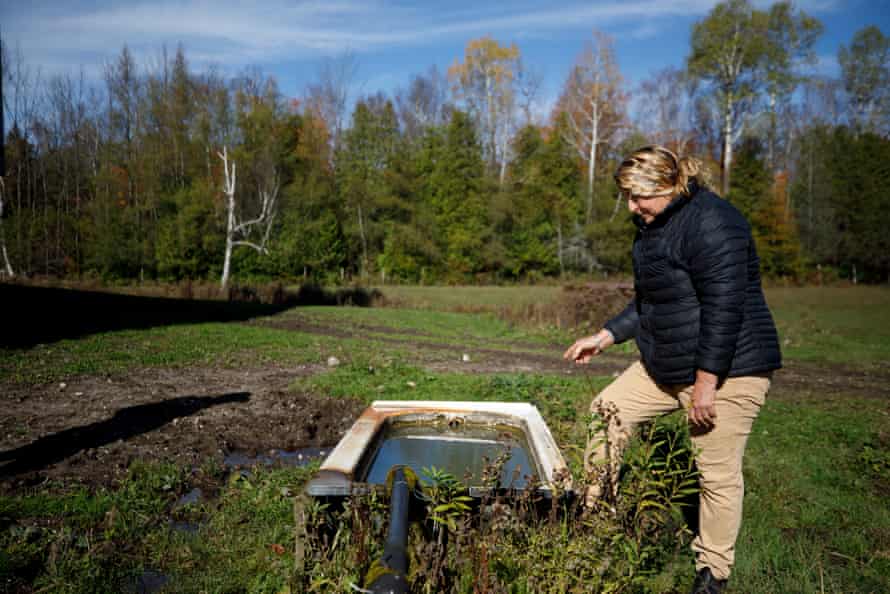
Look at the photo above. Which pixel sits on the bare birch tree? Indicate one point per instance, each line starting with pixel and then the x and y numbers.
pixel 528 84
pixel 865 72
pixel 728 48
pixel 329 96
pixel 665 108
pixel 423 104
pixel 7 267
pixel 239 232
pixel 594 103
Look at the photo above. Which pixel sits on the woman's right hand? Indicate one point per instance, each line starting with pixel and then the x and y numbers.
pixel 586 348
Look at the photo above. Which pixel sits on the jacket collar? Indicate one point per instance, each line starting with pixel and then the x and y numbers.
pixel 664 216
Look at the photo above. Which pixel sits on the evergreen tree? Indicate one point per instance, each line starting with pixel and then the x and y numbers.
pixel 191 236
pixel 457 187
pixel 367 148
pixel 409 249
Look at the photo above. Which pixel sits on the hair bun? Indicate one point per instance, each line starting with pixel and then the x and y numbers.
pixel 688 168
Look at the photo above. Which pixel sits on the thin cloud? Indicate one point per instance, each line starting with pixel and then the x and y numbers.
pixel 62 36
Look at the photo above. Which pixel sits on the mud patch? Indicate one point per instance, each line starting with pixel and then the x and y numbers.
pixel 807 380
pixel 301 457
pixel 91 428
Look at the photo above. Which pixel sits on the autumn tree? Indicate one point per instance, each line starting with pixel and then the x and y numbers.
pixel 594 103
pixel 762 197
pixel 484 81
pixel 776 234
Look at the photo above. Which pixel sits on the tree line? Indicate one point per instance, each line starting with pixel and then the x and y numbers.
pixel 162 172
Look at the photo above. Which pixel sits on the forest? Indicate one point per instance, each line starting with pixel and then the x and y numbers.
pixel 158 171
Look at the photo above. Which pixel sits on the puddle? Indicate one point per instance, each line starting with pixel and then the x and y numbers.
pixel 459 451
pixel 190 498
pixel 185 527
pixel 300 457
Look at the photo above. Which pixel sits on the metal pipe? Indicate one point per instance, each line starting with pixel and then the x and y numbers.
pixel 388 575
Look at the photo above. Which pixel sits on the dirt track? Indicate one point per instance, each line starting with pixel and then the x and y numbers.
pixel 91 428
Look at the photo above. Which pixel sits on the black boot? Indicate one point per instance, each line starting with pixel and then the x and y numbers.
pixel 705 583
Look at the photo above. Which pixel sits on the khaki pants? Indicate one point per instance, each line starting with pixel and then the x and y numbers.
pixel 719 451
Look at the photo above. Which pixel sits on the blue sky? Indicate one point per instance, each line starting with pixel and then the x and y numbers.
pixel 391 40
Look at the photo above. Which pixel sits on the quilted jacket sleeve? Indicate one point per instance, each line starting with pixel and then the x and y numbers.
pixel 624 325
pixel 717 259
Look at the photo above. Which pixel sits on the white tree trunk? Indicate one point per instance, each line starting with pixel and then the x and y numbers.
pixel 727 146
pixel 771 134
pixel 591 162
pixel 229 189
pixel 361 230
pixel 237 232
pixel 7 267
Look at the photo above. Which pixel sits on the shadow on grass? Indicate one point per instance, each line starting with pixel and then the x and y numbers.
pixel 126 423
pixel 35 315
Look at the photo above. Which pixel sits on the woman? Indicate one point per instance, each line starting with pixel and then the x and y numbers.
pixel 706 338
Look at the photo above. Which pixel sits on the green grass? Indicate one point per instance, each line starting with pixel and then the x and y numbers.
pixel 836 324
pixel 236 343
pixel 813 518
pixel 421 323
pixel 814 514
pixel 849 325
pixel 165 346
pixel 816 468
pixel 469 297
pixel 102 541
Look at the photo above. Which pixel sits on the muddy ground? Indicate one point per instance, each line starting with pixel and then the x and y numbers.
pixel 88 430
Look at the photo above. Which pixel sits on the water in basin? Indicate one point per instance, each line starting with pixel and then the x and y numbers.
pixel 463 451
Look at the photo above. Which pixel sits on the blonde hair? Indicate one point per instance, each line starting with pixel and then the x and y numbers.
pixel 657 171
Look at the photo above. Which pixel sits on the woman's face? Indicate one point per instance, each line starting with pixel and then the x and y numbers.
pixel 648 207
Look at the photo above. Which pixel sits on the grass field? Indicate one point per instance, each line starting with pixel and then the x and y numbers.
pixel 817 466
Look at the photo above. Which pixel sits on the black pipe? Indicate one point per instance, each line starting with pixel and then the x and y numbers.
pixel 388 575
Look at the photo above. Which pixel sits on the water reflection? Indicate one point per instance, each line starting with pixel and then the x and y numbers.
pixel 462 452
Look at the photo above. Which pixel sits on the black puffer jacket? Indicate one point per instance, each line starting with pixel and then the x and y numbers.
pixel 698 302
